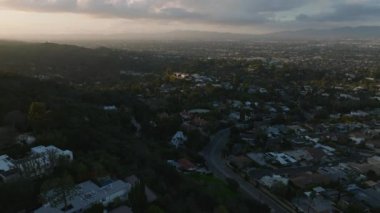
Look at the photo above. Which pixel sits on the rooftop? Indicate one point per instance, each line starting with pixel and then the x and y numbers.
pixel 5 163
pixel 88 194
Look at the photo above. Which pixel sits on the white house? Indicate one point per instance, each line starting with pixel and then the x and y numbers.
pixel 281 158
pixel 88 194
pixel 326 149
pixel 110 108
pixel 8 170
pixel 271 181
pixel 44 151
pixel 41 159
pixel 178 139
pixel 357 140
pixel 26 138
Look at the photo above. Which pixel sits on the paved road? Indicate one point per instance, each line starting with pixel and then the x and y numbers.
pixel 213 156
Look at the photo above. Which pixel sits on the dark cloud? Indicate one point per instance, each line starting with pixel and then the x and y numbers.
pixel 344 12
pixel 225 12
pixel 218 11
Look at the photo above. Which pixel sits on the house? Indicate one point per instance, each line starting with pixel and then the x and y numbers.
pixel 316 204
pixel 272 132
pixel 257 157
pixel 180 75
pixel 248 137
pixel 88 194
pixel 313 140
pixel 199 111
pixel 234 116
pixel 26 138
pixel 370 196
pixel 46 150
pixel 372 164
pixel 236 104
pixel 297 129
pixel 8 170
pixel 178 139
pixel 111 108
pixel 319 189
pixel 281 158
pixel 327 149
pixel 270 181
pixel 173 163
pixel 357 140
pixel 186 165
pixel 334 173
pixel 263 90
pixel 300 155
pixel 41 159
pixel 358 114
pixel 347 96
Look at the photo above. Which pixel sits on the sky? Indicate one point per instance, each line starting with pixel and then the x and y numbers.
pixel 50 17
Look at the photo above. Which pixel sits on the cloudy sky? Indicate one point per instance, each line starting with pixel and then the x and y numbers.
pixel 32 17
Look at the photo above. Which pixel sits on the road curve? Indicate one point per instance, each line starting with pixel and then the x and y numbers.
pixel 213 156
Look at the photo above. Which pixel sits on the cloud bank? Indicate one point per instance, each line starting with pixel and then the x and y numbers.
pixel 265 13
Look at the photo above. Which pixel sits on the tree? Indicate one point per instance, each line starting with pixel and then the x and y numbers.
pixel 37 115
pixel 59 191
pixel 221 209
pixel 36 111
pixel 137 197
pixel 372 175
pixel 18 195
pixel 354 208
pixel 154 209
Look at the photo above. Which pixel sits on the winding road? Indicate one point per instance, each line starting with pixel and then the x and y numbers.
pixel 213 157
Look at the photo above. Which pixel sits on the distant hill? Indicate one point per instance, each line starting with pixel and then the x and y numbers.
pixel 182 35
pixel 362 32
pixel 203 36
pixel 50 60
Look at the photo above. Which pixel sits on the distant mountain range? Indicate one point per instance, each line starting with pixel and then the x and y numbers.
pixel 362 32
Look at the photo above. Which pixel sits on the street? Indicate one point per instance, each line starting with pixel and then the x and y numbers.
pixel 213 156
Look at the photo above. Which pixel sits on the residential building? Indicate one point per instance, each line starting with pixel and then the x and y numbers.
pixel 281 158
pixel 8 170
pixel 41 160
pixel 271 181
pixel 178 139
pixel 89 194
